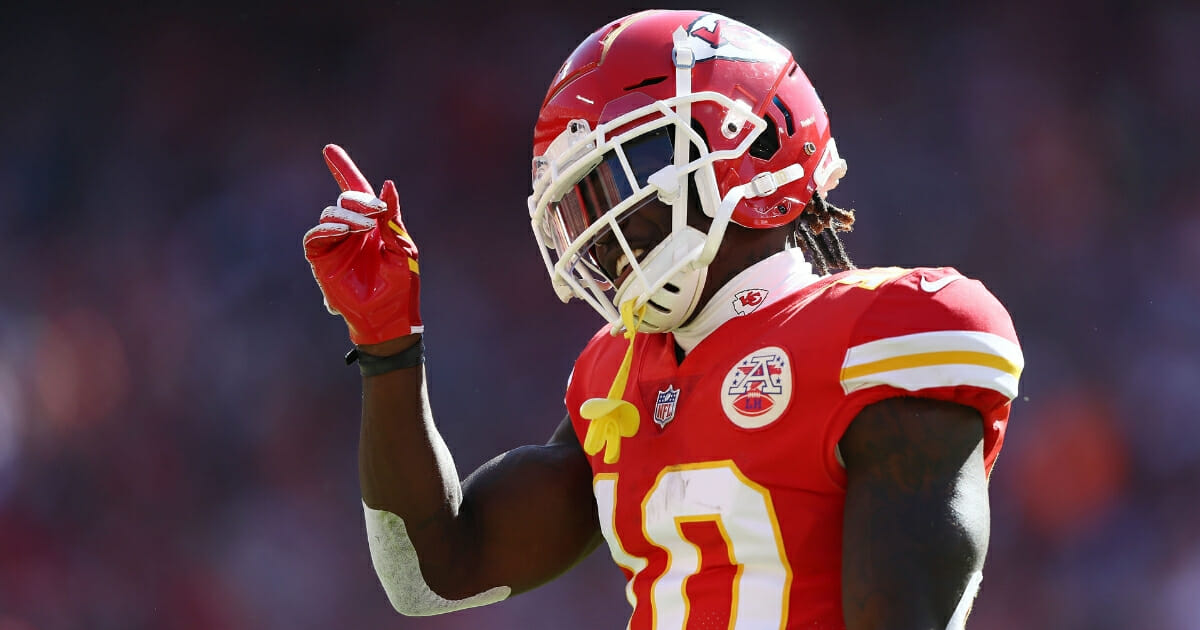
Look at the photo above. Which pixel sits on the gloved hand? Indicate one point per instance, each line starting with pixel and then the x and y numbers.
pixel 363 258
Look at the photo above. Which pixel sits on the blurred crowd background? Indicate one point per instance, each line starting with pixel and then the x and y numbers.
pixel 178 430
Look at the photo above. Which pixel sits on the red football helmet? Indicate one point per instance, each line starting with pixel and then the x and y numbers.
pixel 642 105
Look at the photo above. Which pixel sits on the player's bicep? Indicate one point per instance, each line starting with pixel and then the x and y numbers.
pixel 564 435
pixel 533 512
pixel 916 515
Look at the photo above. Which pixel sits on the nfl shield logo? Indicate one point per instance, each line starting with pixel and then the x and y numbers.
pixel 664 406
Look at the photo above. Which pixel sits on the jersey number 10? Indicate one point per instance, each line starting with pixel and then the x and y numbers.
pixel 741 511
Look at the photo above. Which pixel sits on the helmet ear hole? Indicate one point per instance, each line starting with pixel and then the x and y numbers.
pixel 787 116
pixel 767 142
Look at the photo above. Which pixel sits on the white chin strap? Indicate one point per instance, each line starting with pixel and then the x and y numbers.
pixel 672 300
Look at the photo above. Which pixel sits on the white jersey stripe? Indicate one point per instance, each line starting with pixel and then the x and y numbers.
pixel 944 358
pixel 945 375
pixel 929 343
pixel 605 486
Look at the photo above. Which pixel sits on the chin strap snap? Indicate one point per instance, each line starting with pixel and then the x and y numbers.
pixel 612 418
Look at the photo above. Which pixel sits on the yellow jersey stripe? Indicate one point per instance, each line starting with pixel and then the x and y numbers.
pixel 925 359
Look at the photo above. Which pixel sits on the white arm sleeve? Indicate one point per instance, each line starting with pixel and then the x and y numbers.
pixel 395 561
pixel 959 620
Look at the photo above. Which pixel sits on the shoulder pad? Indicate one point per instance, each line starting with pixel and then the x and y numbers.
pixel 930 328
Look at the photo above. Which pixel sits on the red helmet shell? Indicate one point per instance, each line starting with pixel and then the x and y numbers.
pixel 628 63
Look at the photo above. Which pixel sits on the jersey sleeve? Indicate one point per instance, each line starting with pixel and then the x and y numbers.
pixel 932 333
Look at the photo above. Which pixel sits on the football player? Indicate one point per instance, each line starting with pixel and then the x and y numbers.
pixel 763 435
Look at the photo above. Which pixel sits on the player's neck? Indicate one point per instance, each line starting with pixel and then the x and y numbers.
pixel 753 288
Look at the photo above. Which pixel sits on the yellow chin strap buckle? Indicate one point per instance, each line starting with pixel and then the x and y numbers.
pixel 613 418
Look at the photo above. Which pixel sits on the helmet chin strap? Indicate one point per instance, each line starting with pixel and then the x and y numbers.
pixel 688 286
pixel 675 294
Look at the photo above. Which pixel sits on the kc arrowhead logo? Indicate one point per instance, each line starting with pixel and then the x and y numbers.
pixel 747 300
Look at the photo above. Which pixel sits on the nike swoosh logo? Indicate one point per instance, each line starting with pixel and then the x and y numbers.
pixel 937 285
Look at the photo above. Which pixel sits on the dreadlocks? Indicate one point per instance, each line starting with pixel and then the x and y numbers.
pixel 816 233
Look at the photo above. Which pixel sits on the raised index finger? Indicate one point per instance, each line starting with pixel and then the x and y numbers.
pixel 344 171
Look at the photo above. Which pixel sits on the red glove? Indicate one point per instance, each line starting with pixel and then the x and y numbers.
pixel 363 259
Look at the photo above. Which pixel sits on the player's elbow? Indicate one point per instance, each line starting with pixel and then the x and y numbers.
pixel 412 597
pixel 399 571
pixel 409 598
pixel 409 602
pixel 414 600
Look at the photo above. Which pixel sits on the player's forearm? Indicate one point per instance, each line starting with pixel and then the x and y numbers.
pixel 404 465
pixel 916 516
pixel 403 462
pixel 405 468
pixel 918 571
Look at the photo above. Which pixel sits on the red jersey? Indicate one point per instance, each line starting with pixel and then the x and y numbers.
pixel 724 509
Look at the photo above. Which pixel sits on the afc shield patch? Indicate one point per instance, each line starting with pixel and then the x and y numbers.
pixel 757 390
pixel 664 405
